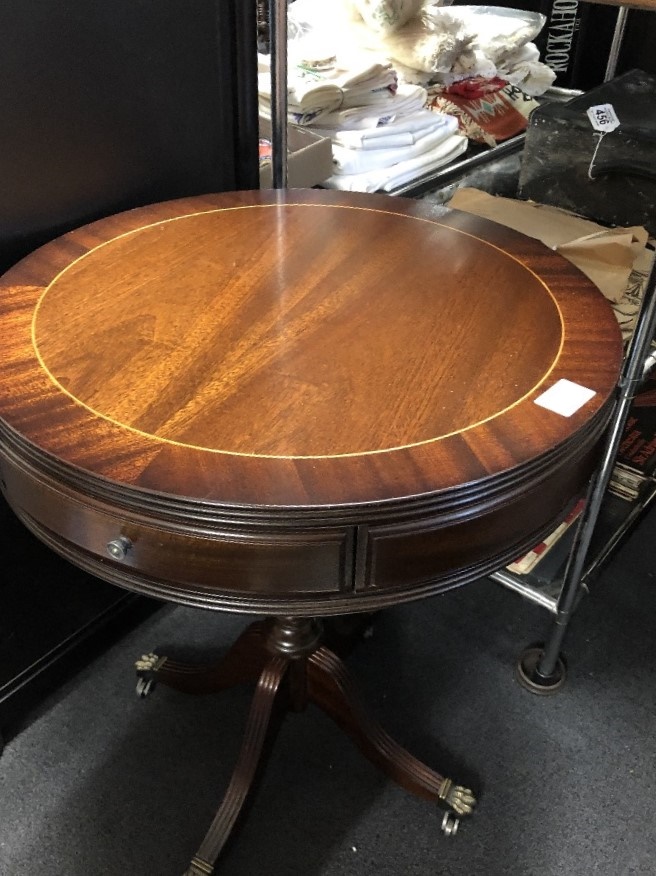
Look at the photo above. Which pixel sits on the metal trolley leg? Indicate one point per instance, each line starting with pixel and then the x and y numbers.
pixel 542 670
pixel 278 26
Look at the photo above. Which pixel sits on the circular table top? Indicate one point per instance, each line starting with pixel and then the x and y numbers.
pixel 306 349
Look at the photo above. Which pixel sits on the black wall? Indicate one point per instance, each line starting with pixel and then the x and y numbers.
pixel 114 104
pixel 639 44
pixel 104 105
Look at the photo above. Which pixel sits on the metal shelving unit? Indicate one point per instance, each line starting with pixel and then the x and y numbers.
pixel 541 669
pixel 606 519
pixel 617 517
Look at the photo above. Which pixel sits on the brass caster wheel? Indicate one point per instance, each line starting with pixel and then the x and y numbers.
pixel 450 824
pixel 145 687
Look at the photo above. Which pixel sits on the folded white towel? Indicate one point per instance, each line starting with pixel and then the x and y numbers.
pixel 312 91
pixel 306 97
pixel 403 130
pixel 362 69
pixel 372 127
pixel 348 161
pixel 383 144
pixel 391 178
pixel 408 99
pixel 306 91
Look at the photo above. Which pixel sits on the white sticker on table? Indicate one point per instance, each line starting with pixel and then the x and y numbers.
pixel 565 397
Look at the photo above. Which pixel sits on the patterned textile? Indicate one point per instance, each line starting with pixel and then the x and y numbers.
pixel 488 118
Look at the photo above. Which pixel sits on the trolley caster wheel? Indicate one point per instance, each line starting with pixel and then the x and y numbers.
pixel 527 676
pixel 450 824
pixel 145 686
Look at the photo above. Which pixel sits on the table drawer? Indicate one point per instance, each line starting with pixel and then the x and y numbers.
pixel 211 558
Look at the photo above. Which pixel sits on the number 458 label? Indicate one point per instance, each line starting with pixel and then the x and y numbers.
pixel 603 117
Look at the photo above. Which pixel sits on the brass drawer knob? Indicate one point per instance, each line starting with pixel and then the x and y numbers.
pixel 119 547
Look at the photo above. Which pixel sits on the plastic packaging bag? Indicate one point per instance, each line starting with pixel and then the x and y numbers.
pixel 386 16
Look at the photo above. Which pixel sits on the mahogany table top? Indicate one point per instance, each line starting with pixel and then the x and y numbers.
pixel 297 348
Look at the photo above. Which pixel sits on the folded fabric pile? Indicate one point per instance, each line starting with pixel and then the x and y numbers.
pixel 488 110
pixel 314 92
pixel 477 63
pixel 442 45
pixel 401 86
pixel 382 133
pixel 369 161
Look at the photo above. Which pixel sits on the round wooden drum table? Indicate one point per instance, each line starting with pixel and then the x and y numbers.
pixel 298 404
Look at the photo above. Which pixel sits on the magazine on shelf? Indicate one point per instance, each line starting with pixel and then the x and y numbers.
pixel 635 464
pixel 626 483
pixel 526 563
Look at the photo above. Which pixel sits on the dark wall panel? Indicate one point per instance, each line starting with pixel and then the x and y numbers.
pixel 639 44
pixel 111 105
pixel 104 106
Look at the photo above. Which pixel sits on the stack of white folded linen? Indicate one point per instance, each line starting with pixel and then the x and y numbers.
pixel 314 94
pixel 381 131
pixel 406 100
pixel 387 156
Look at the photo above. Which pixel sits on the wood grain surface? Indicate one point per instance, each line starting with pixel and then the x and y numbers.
pixel 219 336
pixel 292 361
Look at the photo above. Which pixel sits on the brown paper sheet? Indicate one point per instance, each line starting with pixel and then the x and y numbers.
pixel 608 256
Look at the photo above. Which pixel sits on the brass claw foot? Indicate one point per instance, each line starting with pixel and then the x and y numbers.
pixel 242 664
pixel 147 667
pixel 459 802
pixel 456 797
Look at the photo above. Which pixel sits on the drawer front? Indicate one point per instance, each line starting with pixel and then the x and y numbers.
pixel 212 560
pixel 456 551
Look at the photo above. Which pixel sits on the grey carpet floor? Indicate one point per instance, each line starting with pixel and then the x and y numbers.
pixel 100 783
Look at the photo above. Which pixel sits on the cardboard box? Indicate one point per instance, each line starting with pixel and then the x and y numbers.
pixel 310 159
